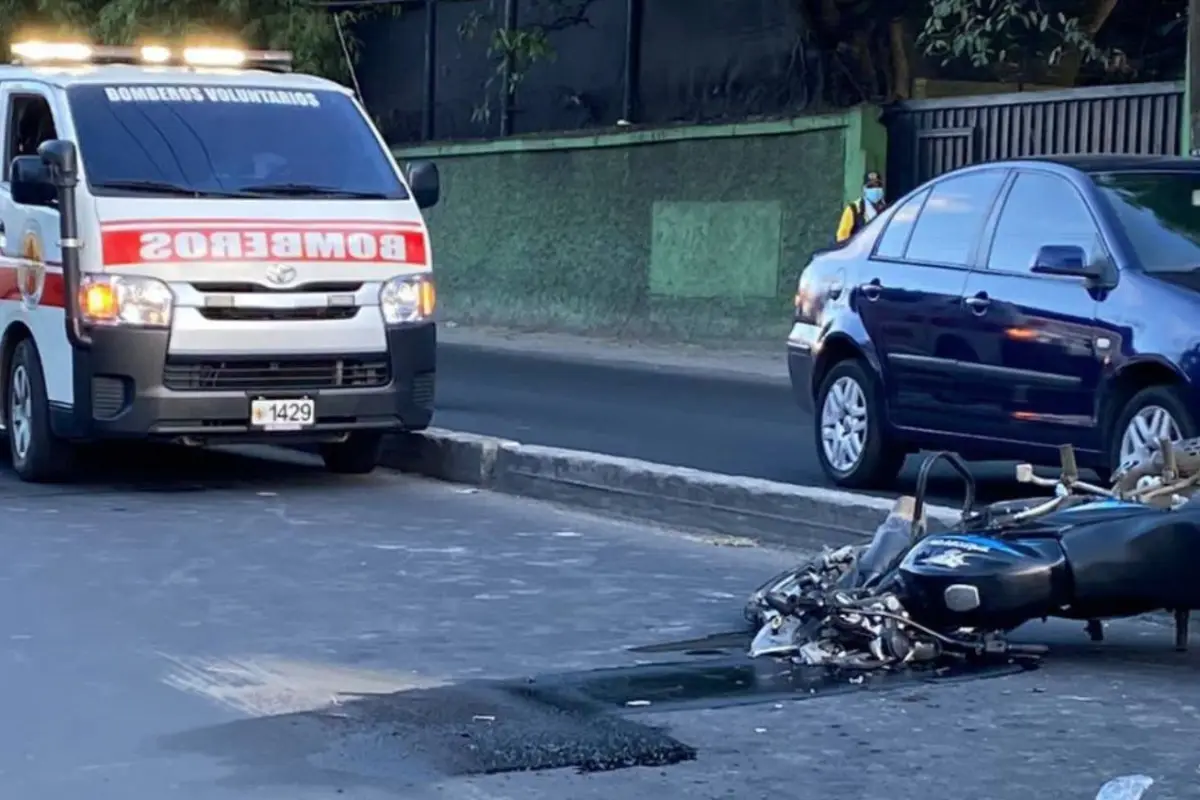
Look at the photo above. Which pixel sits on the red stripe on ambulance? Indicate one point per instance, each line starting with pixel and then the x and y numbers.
pixel 166 244
pixel 53 290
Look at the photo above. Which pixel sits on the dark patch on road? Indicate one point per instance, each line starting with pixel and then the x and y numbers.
pixel 570 720
pixel 474 728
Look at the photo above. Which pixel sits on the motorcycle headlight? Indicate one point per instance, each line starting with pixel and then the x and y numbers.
pixel 407 298
pixel 125 300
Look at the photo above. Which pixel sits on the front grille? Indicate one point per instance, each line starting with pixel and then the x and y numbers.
pixel 276 375
pixel 219 314
pixel 334 287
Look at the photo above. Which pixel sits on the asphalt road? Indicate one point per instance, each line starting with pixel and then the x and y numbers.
pixel 216 627
pixel 715 424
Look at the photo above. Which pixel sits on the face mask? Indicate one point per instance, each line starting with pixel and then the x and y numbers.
pixel 873 194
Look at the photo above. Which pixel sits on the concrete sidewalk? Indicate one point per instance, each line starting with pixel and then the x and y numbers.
pixel 758 364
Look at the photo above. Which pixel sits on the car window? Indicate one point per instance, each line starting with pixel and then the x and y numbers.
pixel 951 220
pixel 895 237
pixel 1040 210
pixel 30 122
pixel 1160 213
pixel 214 139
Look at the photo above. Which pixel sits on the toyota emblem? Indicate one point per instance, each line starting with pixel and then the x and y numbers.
pixel 281 274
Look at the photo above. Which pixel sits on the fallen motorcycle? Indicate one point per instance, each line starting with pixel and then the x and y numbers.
pixel 910 596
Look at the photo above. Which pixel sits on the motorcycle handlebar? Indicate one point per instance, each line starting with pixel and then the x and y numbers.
pixel 1055 483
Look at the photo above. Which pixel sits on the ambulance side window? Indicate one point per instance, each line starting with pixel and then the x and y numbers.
pixel 30 122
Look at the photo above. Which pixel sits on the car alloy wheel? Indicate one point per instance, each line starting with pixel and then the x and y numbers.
pixel 844 424
pixel 20 412
pixel 1146 429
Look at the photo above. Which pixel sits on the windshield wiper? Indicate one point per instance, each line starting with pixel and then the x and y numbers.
pixel 164 187
pixel 308 190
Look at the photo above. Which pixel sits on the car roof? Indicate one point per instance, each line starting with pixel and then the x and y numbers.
pixel 1092 164
pixel 1124 163
pixel 132 74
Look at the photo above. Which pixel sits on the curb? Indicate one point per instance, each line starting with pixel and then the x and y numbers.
pixel 764 511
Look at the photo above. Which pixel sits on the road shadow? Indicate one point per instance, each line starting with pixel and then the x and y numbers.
pixel 142 467
pixel 1130 645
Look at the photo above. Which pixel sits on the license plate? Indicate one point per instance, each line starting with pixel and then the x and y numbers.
pixel 283 415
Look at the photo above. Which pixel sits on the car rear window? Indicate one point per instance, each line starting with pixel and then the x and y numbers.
pixel 1160 213
pixel 224 139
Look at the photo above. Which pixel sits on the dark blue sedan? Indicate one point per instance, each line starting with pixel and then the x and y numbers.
pixel 1005 309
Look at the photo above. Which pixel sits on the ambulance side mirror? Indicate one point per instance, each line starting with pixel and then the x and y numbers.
pixel 31 182
pixel 424 181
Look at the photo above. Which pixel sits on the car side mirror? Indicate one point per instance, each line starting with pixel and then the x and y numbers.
pixel 31 182
pixel 424 182
pixel 1067 260
pixel 61 155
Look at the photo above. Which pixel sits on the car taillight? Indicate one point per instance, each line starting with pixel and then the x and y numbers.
pixel 808 299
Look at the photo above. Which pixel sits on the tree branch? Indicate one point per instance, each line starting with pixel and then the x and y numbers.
pixel 1100 16
pixel 578 16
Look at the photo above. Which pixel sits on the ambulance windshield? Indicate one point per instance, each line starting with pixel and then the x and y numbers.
pixel 221 141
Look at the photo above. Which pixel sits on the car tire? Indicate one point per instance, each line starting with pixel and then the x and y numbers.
pixel 358 455
pixel 38 456
pixel 850 397
pixel 1153 410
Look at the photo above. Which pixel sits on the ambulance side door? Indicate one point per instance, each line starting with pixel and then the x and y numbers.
pixel 31 281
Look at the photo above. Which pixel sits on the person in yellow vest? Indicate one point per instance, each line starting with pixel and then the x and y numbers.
pixel 864 209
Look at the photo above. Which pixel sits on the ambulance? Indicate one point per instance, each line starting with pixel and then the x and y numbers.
pixel 198 245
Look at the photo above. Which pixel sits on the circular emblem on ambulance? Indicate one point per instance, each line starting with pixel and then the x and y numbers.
pixel 31 270
pixel 281 274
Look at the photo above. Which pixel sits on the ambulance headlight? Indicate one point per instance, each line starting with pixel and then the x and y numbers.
pixel 407 298
pixel 125 300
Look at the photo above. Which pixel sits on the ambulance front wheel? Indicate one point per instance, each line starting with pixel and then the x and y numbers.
pixel 38 456
pixel 358 455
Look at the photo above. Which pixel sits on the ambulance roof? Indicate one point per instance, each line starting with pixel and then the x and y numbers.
pixel 128 74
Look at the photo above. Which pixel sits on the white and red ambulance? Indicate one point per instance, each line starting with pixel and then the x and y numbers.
pixel 201 246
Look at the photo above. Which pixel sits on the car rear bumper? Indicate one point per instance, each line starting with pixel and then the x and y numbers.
pixel 800 366
pixel 128 385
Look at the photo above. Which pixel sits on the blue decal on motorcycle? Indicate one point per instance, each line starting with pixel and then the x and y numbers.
pixel 970 542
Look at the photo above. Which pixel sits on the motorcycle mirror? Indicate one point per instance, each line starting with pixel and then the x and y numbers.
pixel 1024 473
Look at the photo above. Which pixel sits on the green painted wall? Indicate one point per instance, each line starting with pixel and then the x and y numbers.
pixel 675 234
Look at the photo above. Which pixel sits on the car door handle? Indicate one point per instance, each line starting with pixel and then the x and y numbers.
pixel 871 290
pixel 979 303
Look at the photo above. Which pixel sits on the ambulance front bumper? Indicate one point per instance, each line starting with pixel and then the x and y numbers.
pixel 127 384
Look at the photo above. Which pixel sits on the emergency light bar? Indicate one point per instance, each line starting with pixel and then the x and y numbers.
pixel 59 53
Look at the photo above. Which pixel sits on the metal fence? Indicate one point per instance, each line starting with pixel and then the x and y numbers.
pixel 645 61
pixel 929 137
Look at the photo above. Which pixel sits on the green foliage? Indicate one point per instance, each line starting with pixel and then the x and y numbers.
pixel 308 31
pixel 513 52
pixel 1009 36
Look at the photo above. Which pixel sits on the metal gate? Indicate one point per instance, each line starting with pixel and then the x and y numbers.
pixel 929 137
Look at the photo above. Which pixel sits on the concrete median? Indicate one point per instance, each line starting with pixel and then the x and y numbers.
pixel 760 510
